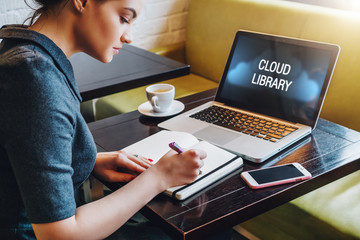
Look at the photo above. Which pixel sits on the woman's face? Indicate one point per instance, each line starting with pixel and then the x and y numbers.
pixel 104 26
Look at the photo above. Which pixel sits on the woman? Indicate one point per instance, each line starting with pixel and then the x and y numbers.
pixel 46 149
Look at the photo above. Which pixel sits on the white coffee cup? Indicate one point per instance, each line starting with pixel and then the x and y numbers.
pixel 160 96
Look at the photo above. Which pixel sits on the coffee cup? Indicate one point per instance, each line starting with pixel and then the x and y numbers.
pixel 160 96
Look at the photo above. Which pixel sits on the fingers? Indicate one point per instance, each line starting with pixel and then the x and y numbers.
pixel 140 160
pixel 119 166
pixel 178 169
pixel 133 162
pixel 134 165
pixel 196 158
pixel 197 153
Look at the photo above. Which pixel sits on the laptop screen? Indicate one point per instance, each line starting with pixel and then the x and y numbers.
pixel 277 76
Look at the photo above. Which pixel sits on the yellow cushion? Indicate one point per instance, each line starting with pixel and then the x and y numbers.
pixel 175 51
pixel 289 222
pixel 210 33
pixel 337 203
pixel 130 100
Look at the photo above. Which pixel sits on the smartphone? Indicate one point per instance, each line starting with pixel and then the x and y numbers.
pixel 276 175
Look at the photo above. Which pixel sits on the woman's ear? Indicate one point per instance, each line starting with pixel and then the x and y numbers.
pixel 79 5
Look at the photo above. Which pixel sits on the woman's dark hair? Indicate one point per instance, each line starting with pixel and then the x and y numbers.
pixel 43 7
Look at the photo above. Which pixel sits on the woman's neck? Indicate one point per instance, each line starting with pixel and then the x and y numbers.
pixel 59 29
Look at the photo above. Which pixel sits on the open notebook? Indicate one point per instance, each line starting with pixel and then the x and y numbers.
pixel 218 163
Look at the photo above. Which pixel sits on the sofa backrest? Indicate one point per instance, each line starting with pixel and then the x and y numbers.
pixel 212 25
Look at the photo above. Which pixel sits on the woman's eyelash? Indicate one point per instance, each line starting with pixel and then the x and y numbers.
pixel 124 20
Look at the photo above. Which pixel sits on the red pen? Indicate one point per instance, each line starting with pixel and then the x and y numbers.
pixel 174 146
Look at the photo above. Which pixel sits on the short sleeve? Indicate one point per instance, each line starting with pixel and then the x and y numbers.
pixel 39 133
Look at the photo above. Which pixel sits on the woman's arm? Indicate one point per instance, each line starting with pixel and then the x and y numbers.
pixel 100 218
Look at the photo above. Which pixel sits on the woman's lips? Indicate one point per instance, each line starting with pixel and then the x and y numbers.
pixel 116 50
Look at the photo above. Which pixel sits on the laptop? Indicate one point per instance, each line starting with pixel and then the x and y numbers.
pixel 269 97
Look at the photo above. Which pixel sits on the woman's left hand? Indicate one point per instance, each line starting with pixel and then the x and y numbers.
pixel 119 166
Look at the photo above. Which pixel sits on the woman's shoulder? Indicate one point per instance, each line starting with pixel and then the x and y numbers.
pixel 28 68
pixel 23 54
pixel 27 61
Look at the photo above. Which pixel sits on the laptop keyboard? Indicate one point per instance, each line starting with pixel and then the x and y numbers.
pixel 245 123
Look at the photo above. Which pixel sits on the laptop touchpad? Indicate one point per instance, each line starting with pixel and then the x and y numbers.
pixel 216 135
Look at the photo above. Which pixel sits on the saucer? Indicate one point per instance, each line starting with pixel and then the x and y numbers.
pixel 147 109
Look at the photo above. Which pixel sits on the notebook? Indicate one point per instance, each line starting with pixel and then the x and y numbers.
pixel 218 164
pixel 270 95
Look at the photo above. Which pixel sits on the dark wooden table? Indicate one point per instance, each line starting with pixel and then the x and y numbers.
pixel 329 153
pixel 132 67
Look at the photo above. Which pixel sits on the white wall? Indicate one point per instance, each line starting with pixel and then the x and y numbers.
pixel 161 23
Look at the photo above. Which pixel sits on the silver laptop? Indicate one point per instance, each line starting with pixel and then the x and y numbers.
pixel 269 97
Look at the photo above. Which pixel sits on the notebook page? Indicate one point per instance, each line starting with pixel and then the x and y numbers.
pixel 156 145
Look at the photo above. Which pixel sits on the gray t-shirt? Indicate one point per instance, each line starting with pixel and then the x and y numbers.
pixel 46 148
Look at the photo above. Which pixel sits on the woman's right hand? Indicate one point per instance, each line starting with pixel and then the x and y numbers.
pixel 175 169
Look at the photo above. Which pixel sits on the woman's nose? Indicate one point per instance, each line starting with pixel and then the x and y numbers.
pixel 126 37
